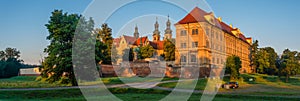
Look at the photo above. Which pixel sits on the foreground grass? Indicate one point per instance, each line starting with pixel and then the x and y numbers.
pixel 200 84
pixel 26 82
pixel 31 82
pixel 126 94
pixel 261 85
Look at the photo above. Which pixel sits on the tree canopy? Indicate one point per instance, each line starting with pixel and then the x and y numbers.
pixel 233 65
pixel 147 51
pixel 105 35
pixel 57 66
pixel 10 62
pixel 289 64
pixel 169 50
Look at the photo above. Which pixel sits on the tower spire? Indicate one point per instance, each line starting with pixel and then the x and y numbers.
pixel 168 31
pixel 156 32
pixel 136 32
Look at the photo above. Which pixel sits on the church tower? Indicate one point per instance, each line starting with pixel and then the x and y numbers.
pixel 168 31
pixel 136 33
pixel 156 33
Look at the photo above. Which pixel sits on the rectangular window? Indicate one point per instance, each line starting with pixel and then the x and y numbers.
pixel 183 58
pixel 183 33
pixel 183 45
pixel 195 32
pixel 193 58
pixel 195 44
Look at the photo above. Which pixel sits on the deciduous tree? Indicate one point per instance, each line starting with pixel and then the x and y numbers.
pixel 105 35
pixel 289 65
pixel 169 51
pixel 147 51
pixel 233 65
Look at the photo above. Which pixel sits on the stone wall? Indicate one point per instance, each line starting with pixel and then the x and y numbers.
pixel 152 69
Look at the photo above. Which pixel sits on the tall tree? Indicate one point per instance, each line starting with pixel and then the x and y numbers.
pixel 10 62
pixel 147 51
pixel 272 69
pixel 253 56
pixel 262 61
pixel 83 48
pixel 9 53
pixel 57 66
pixel 289 65
pixel 105 35
pixel 169 50
pixel 233 65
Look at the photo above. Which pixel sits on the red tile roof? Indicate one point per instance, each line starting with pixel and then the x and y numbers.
pixel 226 27
pixel 159 45
pixel 138 41
pixel 241 36
pixel 196 15
pixel 116 41
pixel 129 39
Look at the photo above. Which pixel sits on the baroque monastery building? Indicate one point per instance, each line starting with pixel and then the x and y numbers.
pixel 204 40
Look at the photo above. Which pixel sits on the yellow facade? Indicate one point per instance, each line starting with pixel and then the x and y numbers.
pixel 207 42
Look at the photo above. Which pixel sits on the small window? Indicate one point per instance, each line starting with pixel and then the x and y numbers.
pixel 195 44
pixel 183 33
pixel 193 58
pixel 183 58
pixel 195 32
pixel 183 45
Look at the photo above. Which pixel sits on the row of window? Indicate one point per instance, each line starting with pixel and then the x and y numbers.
pixel 194 59
pixel 213 33
pixel 194 32
pixel 194 45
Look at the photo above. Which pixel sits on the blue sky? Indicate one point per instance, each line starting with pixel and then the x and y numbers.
pixel 273 22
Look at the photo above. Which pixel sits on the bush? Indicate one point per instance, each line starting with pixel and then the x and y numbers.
pixel 9 68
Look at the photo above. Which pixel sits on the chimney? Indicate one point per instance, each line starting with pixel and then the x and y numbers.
pixel 231 25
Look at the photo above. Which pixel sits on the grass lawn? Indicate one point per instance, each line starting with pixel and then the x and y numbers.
pixel 25 82
pixel 125 94
pixel 122 80
pixel 201 83
pixel 274 88
pixel 262 85
pixel 30 82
